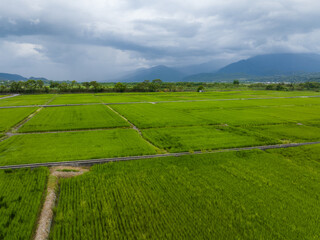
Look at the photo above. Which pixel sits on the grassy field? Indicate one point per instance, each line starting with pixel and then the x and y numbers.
pixel 289 132
pixel 24 100
pixel 21 194
pixel 181 96
pixel 55 147
pixel 12 116
pixel 74 117
pixel 180 139
pixel 236 113
pixel 244 195
pixel 75 99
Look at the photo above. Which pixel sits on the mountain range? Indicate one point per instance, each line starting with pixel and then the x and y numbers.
pixel 16 77
pixel 254 68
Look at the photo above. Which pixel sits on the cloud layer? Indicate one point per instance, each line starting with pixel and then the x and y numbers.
pixel 98 39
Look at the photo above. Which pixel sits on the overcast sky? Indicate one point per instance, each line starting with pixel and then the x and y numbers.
pixel 98 39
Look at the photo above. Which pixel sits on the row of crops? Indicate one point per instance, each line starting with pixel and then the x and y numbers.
pixel 235 195
pixel 21 194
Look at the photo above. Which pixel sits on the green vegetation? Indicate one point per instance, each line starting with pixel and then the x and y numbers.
pixel 298 82
pixel 9 117
pixel 234 195
pixel 75 99
pixel 236 113
pixel 180 139
pixel 21 195
pixel 25 100
pixel 289 132
pixel 74 117
pixel 56 147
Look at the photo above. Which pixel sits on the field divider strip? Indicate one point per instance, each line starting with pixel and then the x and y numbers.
pixel 155 102
pixel 24 121
pixel 14 95
pixel 136 128
pixel 46 216
pixel 90 162
pixel 66 131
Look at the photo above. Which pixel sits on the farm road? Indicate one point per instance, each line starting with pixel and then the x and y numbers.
pixel 155 102
pixel 115 159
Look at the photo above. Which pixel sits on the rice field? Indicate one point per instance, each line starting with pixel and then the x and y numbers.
pixel 234 195
pixel 9 117
pixel 75 99
pixel 67 146
pixel 181 139
pixel 65 133
pixel 26 100
pixel 74 117
pixel 21 195
pixel 272 194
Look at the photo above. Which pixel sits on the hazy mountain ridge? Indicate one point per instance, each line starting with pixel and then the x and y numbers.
pixel 17 77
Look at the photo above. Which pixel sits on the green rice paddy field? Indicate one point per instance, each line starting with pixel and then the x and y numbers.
pixel 93 130
pixel 21 194
pixel 272 194
pixel 234 195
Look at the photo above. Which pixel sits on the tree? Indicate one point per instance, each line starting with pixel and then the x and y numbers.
pixel 54 84
pixel 119 87
pixel 40 84
pixel 86 85
pixel 73 83
pixel 236 82
pixel 96 86
pixel 31 85
pixel 200 88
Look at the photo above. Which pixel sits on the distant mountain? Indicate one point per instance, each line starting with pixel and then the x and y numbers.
pixel 215 77
pixel 164 73
pixel 11 77
pixel 207 67
pixel 16 77
pixel 275 64
pixel 39 78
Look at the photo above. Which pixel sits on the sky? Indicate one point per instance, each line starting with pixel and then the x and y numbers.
pixel 88 40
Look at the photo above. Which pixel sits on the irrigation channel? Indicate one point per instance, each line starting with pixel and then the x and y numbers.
pixel 90 162
pixel 155 102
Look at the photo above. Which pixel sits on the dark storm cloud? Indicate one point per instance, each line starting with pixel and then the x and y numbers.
pixel 85 39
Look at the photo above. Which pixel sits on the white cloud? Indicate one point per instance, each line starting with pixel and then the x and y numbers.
pixel 99 38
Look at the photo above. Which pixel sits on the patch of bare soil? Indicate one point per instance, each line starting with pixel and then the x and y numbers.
pixel 44 223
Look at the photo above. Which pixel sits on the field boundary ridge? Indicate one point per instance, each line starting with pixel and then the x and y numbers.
pixel 90 162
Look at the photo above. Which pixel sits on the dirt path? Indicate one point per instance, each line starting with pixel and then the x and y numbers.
pixel 45 220
pixel 91 162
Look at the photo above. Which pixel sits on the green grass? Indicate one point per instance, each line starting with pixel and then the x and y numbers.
pixel 236 113
pixel 74 117
pixel 235 195
pixel 75 99
pixel 67 146
pixel 289 132
pixel 24 100
pixel 180 139
pixel 21 194
pixel 1 96
pixel 9 117
pixel 146 115
pixel 177 96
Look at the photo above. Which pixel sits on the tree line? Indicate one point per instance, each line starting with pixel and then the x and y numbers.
pixel 39 86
